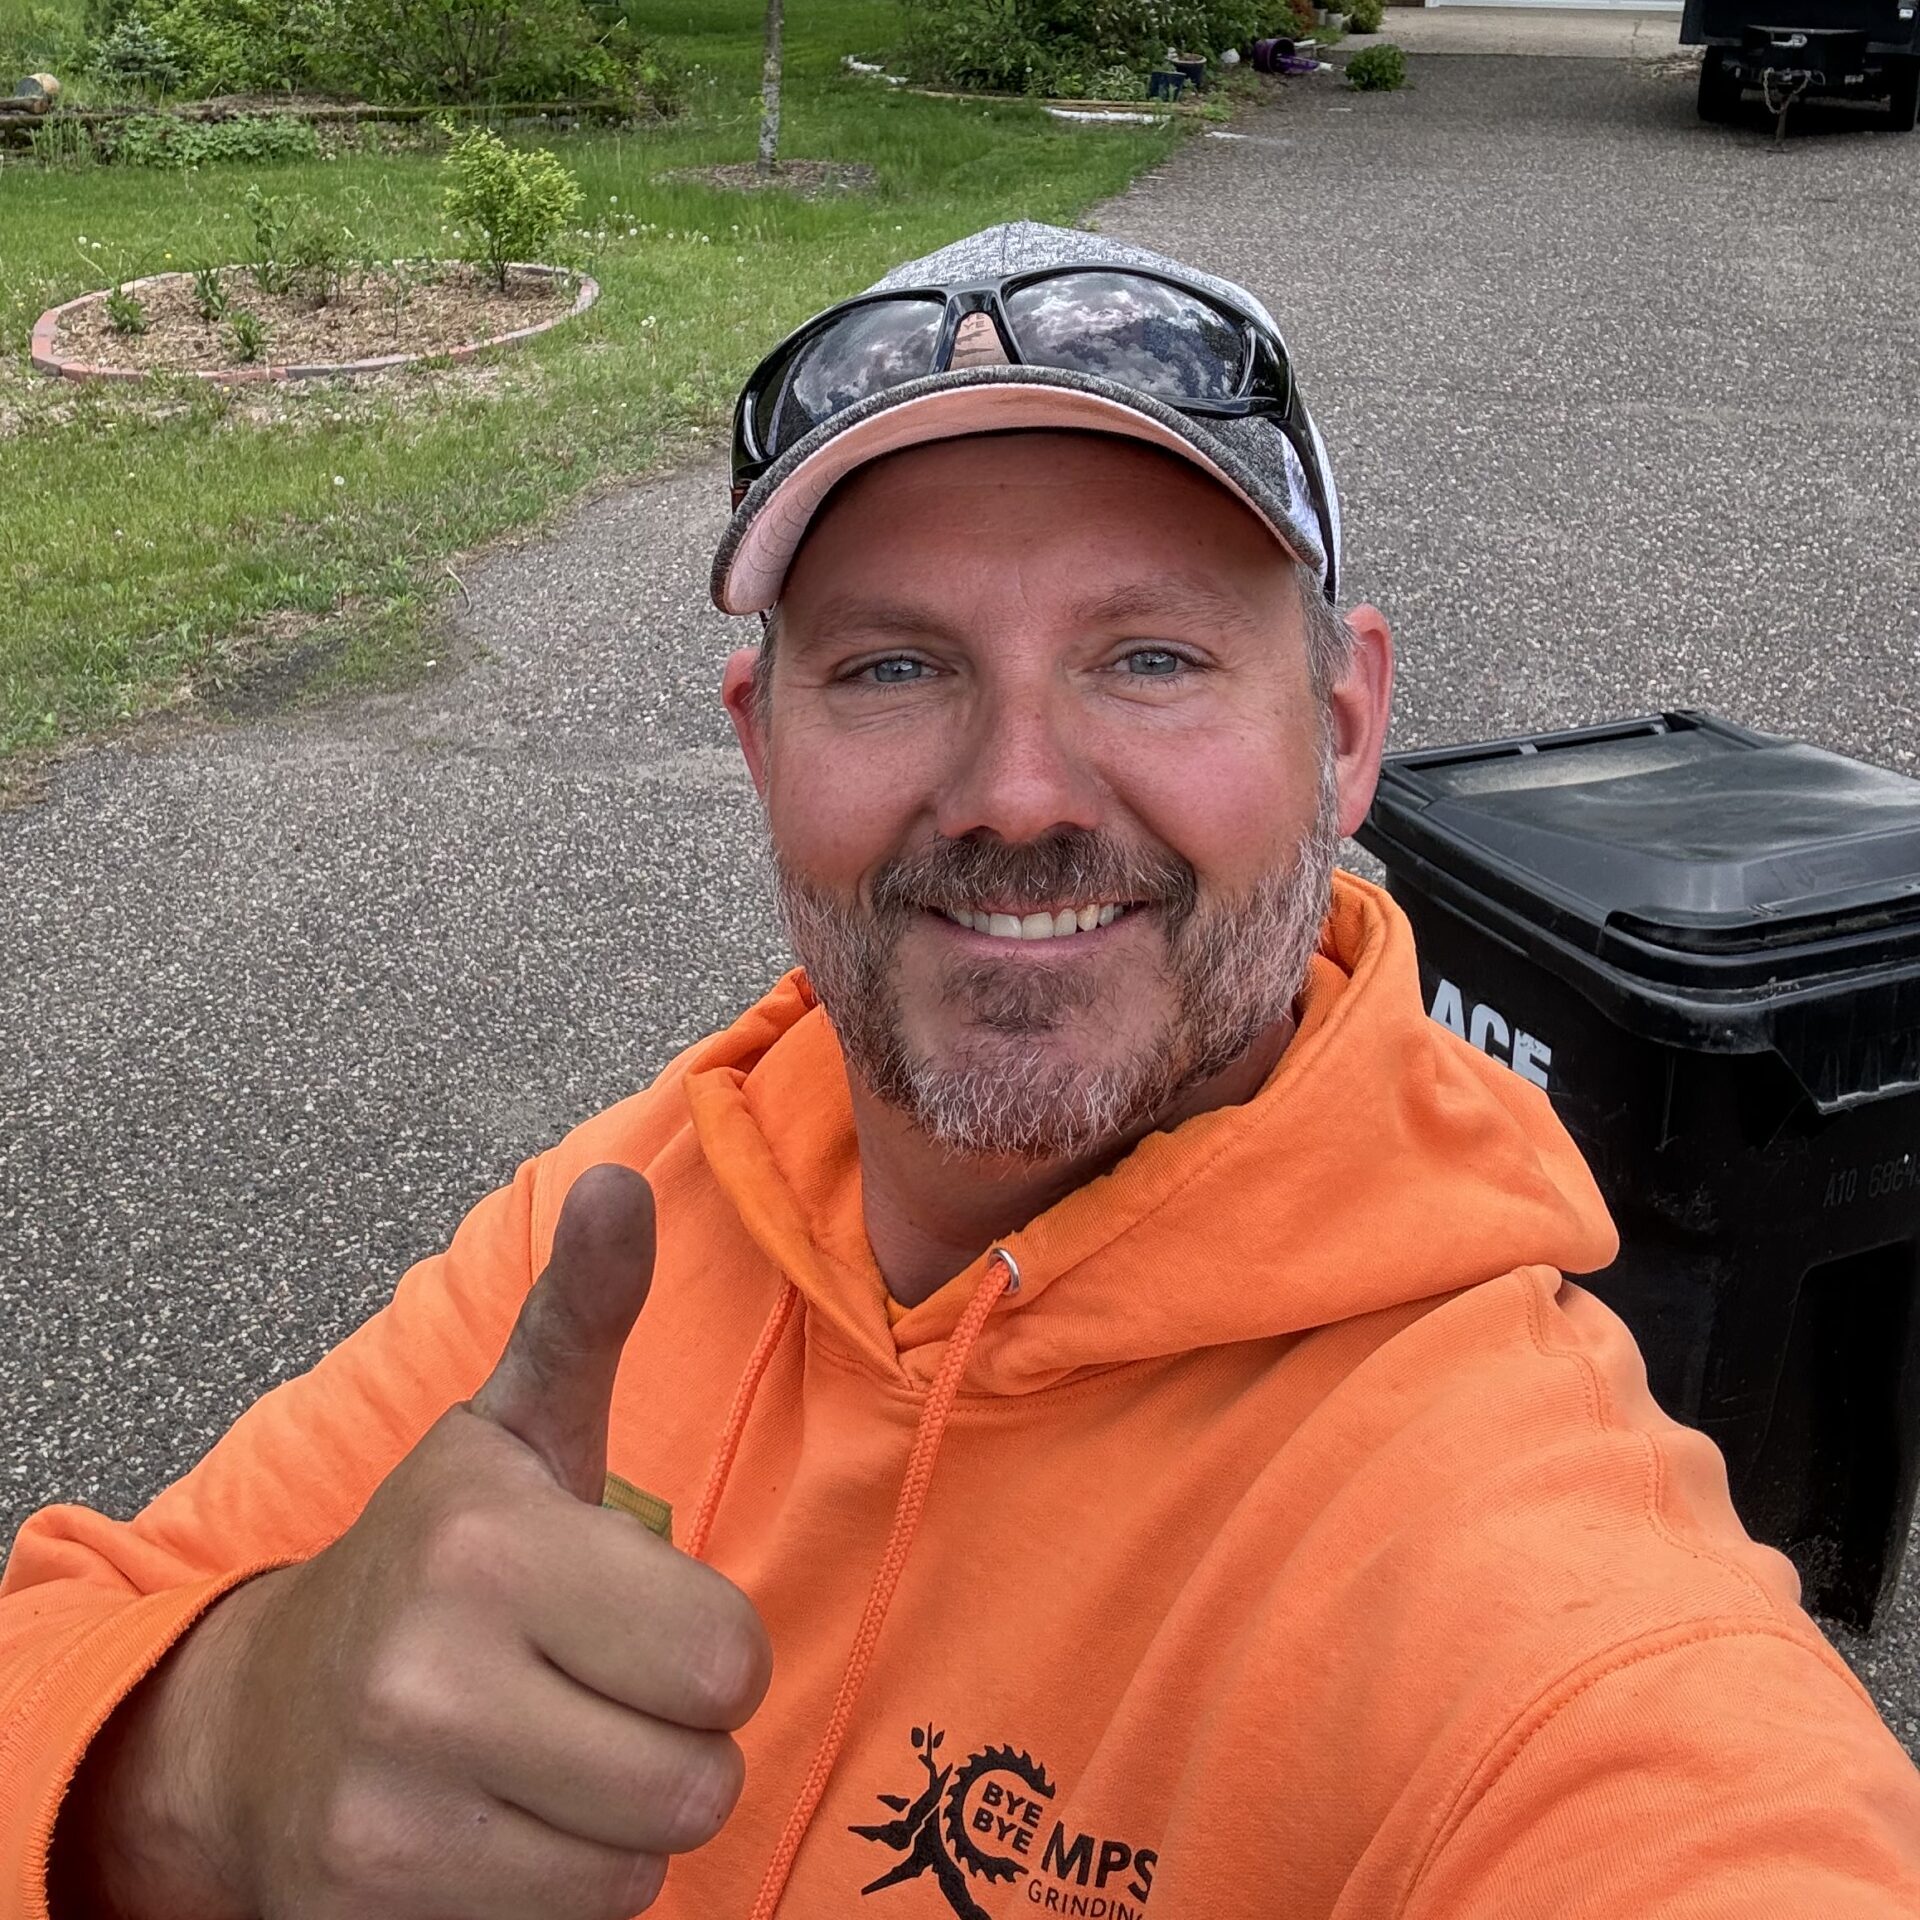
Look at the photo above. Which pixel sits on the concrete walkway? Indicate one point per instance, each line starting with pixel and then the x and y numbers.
pixel 1557 33
pixel 1624 413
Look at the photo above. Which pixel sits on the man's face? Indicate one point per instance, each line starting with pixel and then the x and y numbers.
pixel 1046 675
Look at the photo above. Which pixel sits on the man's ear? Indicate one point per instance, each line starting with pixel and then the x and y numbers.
pixel 1359 702
pixel 736 695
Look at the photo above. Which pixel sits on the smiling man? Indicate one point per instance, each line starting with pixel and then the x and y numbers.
pixel 1106 1361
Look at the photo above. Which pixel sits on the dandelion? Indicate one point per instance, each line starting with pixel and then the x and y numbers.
pixel 613 199
pixel 339 479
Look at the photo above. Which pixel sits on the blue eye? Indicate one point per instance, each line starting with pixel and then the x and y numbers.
pixel 1153 663
pixel 897 672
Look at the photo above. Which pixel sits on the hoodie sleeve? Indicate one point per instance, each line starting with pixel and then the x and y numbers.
pixel 89 1605
pixel 1714 1774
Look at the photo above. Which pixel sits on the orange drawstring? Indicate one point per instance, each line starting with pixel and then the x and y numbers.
pixel 906 1520
pixel 743 1398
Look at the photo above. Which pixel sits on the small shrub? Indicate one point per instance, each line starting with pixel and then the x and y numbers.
pixel 209 295
pixel 468 52
pixel 1117 83
pixel 248 333
pixel 1037 46
pixel 1365 16
pixel 1377 69
pixel 511 203
pixel 137 55
pixel 125 311
pixel 62 140
pixel 242 46
pixel 319 248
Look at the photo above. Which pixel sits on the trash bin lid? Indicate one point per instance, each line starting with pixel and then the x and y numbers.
pixel 1674 858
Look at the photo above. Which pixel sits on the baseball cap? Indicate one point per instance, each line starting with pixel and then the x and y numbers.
pixel 1251 457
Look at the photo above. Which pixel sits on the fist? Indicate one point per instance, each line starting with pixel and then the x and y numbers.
pixel 491 1696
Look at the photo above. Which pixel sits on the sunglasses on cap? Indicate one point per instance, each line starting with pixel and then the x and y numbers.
pixel 1182 345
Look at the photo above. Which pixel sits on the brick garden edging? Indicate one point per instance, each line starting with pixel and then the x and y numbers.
pixel 46 360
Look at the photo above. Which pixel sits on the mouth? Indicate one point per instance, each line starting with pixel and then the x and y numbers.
pixel 1014 924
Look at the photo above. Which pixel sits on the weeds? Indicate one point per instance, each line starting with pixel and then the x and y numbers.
pixel 63 141
pixel 126 312
pixel 267 217
pixel 209 295
pixel 248 332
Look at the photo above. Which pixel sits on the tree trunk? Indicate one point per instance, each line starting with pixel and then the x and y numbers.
pixel 770 92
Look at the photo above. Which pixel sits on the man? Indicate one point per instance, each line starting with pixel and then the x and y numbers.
pixel 1105 1358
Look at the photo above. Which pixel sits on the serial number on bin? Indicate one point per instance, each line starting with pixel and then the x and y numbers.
pixel 1884 1180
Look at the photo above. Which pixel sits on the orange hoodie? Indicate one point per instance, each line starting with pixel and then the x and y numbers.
pixel 1299 1542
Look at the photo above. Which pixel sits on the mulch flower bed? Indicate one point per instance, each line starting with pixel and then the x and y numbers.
pixel 417 310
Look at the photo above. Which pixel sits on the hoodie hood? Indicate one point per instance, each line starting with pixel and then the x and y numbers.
pixel 1383 1163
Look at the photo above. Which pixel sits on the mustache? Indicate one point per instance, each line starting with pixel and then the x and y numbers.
pixel 1068 864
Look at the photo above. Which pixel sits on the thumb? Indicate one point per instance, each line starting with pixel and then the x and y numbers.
pixel 553 1387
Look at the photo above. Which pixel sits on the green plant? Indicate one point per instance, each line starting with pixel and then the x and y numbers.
pixel 1377 69
pixel 1038 46
pixel 319 248
pixel 1117 83
pixel 209 295
pixel 248 332
pixel 268 218
pixel 1364 16
pixel 161 140
pixel 126 313
pixel 509 203
pixel 239 46
pixel 137 55
pixel 465 52
pixel 62 140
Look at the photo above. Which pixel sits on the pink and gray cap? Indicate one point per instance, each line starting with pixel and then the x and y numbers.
pixel 1249 457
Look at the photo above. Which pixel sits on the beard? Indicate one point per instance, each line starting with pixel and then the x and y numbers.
pixel 1235 966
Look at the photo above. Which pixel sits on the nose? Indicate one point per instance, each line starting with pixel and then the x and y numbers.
pixel 1019 770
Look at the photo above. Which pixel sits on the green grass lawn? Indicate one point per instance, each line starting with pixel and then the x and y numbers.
pixel 163 543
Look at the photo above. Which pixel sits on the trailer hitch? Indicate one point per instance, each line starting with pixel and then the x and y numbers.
pixel 1794 81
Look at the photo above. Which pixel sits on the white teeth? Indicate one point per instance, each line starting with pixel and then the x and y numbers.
pixel 1035 926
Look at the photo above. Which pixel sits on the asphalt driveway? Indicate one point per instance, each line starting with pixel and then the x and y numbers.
pixel 1625 411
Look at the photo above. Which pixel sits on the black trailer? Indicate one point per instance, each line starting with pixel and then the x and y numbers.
pixel 1787 50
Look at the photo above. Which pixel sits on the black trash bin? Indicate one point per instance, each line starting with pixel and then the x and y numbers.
pixel 1704 943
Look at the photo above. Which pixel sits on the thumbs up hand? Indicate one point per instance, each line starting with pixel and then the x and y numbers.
pixel 492 1696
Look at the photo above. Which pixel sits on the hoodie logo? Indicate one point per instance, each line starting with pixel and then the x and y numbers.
pixel 986 1820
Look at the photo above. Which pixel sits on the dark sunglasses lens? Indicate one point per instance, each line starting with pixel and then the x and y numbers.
pixel 864 352
pixel 1138 333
